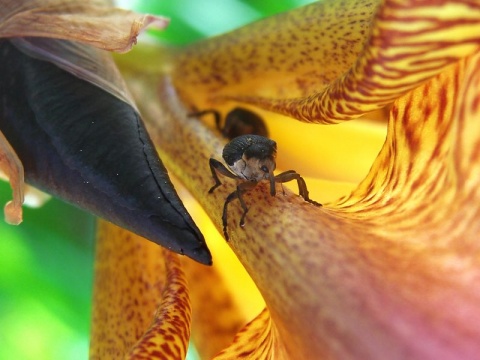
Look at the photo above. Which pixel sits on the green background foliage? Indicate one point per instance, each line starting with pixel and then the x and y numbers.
pixel 46 263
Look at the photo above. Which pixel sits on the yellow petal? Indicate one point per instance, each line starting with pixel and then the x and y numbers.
pixel 369 275
pixel 130 281
pixel 93 22
pixel 409 43
pixel 216 317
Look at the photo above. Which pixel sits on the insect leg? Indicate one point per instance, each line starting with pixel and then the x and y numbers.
pixel 229 198
pixel 241 189
pixel 215 113
pixel 302 186
pixel 217 166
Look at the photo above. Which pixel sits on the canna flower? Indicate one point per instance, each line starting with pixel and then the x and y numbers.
pixel 387 270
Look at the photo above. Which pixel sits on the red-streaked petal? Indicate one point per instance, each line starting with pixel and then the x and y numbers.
pixel 215 315
pixel 168 336
pixel 130 278
pixel 256 341
pixel 410 42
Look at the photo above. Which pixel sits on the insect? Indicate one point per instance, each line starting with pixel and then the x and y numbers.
pixel 251 159
pixel 239 121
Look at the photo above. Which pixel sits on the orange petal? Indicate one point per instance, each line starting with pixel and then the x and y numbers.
pixel 290 54
pixel 168 336
pixel 92 22
pixel 216 317
pixel 256 341
pixel 12 167
pixel 130 281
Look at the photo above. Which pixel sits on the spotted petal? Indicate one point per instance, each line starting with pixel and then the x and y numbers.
pixel 168 336
pixel 291 54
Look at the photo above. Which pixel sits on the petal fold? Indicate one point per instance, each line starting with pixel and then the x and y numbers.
pixel 12 168
pixel 410 42
pixel 404 44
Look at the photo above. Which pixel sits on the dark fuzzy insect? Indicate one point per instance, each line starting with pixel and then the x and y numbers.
pixel 251 159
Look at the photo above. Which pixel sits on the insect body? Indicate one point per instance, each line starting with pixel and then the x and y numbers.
pixel 239 121
pixel 251 159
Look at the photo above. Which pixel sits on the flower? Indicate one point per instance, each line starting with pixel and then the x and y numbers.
pixel 386 271
pixel 370 274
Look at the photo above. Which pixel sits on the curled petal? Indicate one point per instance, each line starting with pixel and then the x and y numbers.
pixel 394 61
pixel 216 317
pixel 409 42
pixel 91 22
pixel 133 277
pixel 12 167
pixel 256 341
pixel 168 336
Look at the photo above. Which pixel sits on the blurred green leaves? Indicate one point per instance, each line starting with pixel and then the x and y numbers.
pixel 46 271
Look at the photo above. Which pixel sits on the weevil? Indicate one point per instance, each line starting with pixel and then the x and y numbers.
pixel 251 159
pixel 239 121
